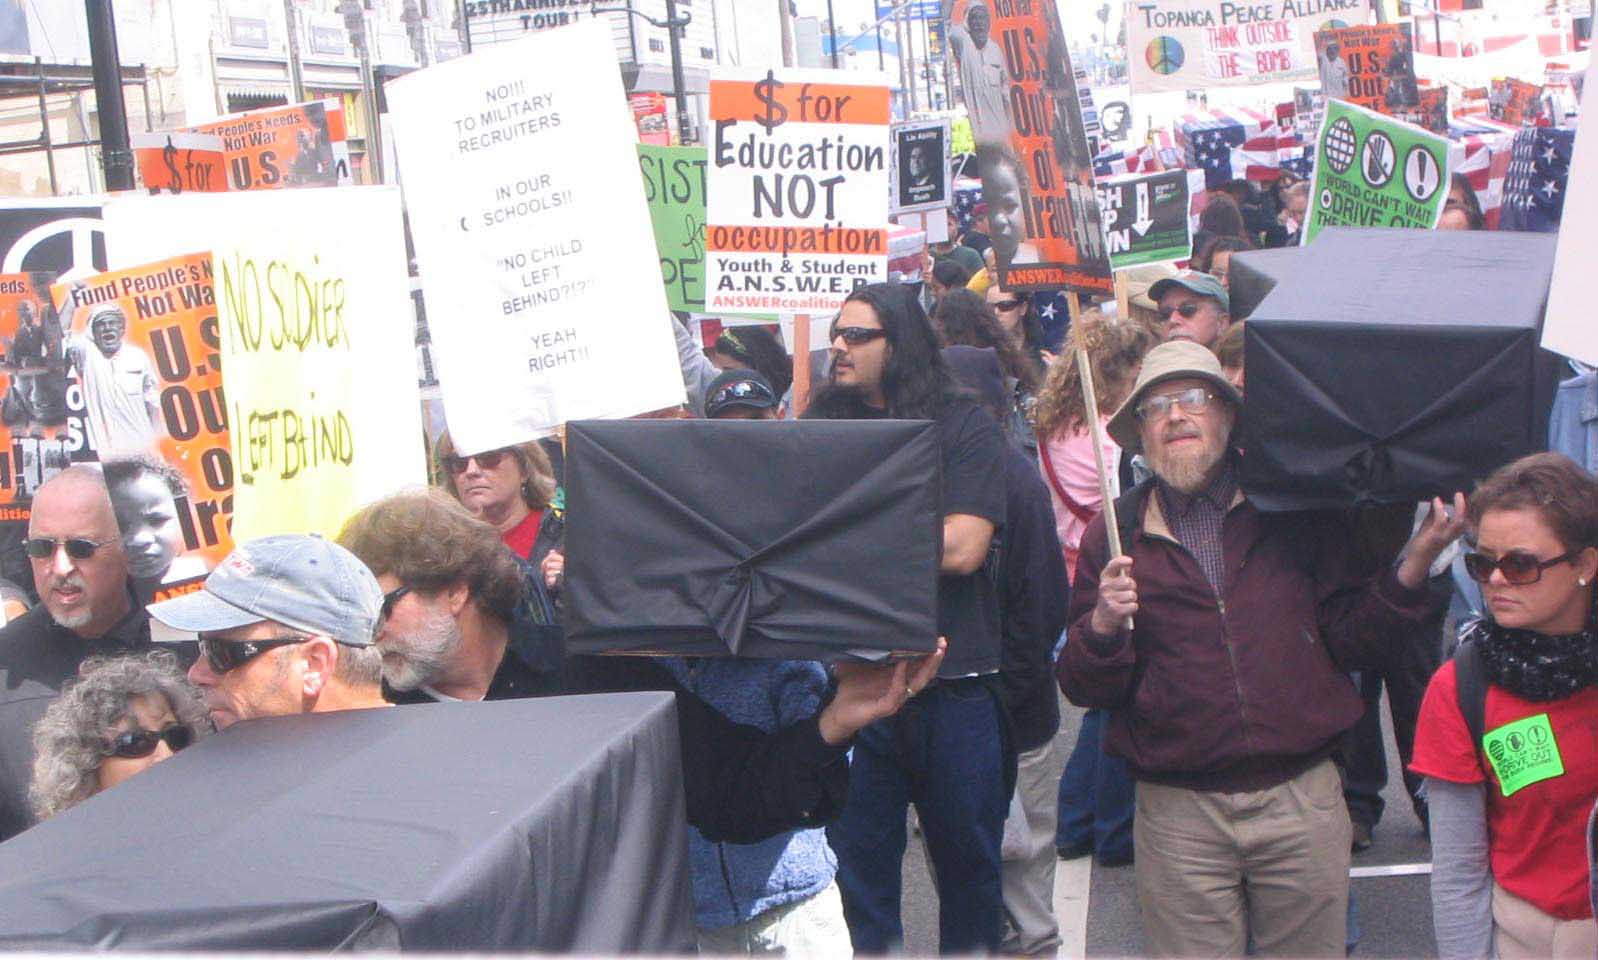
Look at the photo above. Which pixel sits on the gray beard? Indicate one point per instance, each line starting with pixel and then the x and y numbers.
pixel 425 656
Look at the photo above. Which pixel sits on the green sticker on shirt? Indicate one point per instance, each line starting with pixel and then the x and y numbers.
pixel 1523 753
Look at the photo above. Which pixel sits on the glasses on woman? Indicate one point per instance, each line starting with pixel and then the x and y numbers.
pixel 138 743
pixel 40 548
pixel 1007 304
pixel 1518 567
pixel 224 655
pixel 487 461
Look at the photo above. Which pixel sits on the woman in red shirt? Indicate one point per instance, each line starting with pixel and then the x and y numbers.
pixel 1509 814
pixel 509 488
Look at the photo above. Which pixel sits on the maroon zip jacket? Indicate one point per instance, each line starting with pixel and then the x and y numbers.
pixel 1245 690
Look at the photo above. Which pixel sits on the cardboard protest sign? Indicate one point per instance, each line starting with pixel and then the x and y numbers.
pixel 175 522
pixel 41 416
pixel 277 147
pixel 316 343
pixel 1175 45
pixel 649 113
pixel 1514 101
pixel 180 162
pixel 1146 218
pixel 1568 326
pixel 1432 114
pixel 798 193
pixel 530 225
pixel 674 187
pixel 920 166
pixel 1373 66
pixel 1375 171
pixel 1032 145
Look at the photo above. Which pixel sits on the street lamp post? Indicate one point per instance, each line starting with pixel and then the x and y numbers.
pixel 832 35
pixel 115 154
pixel 673 25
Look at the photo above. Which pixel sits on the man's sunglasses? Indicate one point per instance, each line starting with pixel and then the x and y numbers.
pixel 1517 566
pixel 389 599
pixel 1188 310
pixel 488 461
pixel 135 744
pixel 1008 304
pixel 854 336
pixel 42 548
pixel 741 390
pixel 224 655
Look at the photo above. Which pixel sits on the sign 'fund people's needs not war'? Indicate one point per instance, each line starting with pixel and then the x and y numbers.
pixel 1375 171
pixel 798 192
pixel 1191 44
pixel 317 343
pixel 534 238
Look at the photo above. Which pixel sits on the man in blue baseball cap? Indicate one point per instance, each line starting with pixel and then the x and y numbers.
pixel 1194 306
pixel 286 625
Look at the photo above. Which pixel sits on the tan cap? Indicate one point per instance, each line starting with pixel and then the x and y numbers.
pixel 1176 360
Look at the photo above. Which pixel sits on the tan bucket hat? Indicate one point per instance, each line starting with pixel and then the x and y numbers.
pixel 1176 360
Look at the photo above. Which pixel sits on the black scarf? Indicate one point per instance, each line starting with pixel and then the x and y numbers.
pixel 1538 666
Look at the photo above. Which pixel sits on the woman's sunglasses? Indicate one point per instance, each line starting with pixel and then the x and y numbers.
pixel 1007 304
pixel 136 744
pixel 488 461
pixel 1518 567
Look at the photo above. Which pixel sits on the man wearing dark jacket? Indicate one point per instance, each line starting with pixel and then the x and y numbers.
pixel 450 630
pixel 1221 643
pixel 85 609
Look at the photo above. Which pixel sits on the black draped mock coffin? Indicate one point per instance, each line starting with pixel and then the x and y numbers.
pixel 808 539
pixel 551 825
pixel 1388 366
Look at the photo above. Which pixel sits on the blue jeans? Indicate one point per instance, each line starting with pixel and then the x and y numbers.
pixel 1096 796
pixel 942 752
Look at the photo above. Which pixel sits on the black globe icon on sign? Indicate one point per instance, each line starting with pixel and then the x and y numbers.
pixel 1340 144
pixel 1495 748
pixel 1165 55
pixel 1378 159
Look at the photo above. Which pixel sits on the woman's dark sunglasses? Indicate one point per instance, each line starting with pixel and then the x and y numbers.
pixel 854 336
pixel 1008 304
pixel 135 744
pixel 41 548
pixel 488 461
pixel 1188 310
pixel 224 655
pixel 1518 567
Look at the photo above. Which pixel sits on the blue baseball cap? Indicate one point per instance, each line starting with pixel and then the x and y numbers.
pixel 299 580
pixel 1193 281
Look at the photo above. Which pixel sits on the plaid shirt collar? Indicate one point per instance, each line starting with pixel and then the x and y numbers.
pixel 1218 494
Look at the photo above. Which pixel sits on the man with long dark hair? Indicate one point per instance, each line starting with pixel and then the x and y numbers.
pixel 946 752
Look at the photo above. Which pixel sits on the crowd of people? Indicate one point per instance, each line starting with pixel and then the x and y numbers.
pixel 1231 660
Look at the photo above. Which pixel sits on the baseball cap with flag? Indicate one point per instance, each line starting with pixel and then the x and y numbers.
pixel 299 580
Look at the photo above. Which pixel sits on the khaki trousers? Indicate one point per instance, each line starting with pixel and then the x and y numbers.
pixel 1520 930
pixel 1213 868
pixel 1030 927
pixel 813 927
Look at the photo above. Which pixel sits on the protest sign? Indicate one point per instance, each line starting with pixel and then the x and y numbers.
pixel 920 166
pixel 1375 171
pixel 1175 45
pixel 1146 218
pixel 674 186
pixel 1309 108
pixel 1032 145
pixel 1568 326
pixel 1372 66
pixel 649 114
pixel 1514 102
pixel 180 162
pixel 798 191
pixel 41 417
pixel 277 147
pixel 531 228
pixel 176 528
pixel 1114 106
pixel 316 343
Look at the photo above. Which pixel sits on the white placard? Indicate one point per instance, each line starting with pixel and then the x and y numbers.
pixel 1569 326
pixel 538 260
pixel 797 193
pixel 316 342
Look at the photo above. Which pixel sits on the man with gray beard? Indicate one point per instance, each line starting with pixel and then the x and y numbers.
pixel 1221 643
pixel 86 609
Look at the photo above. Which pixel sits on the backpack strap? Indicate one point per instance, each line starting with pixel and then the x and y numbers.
pixel 1078 510
pixel 1470 681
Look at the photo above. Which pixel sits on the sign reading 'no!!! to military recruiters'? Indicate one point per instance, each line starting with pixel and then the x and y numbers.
pixel 798 191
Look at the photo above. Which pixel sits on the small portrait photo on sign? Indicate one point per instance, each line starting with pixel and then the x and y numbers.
pixel 921 155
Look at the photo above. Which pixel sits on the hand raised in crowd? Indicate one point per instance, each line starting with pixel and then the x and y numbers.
pixel 1117 599
pixel 1443 525
pixel 553 567
pixel 868 692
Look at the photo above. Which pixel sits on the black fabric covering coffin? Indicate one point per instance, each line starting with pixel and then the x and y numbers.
pixel 807 540
pixel 1254 274
pixel 1395 365
pixel 550 825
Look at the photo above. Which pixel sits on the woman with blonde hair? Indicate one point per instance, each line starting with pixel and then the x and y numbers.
pixel 509 488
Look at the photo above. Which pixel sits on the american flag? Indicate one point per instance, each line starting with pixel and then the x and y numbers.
pixel 1231 144
pixel 1480 149
pixel 1534 190
pixel 967 192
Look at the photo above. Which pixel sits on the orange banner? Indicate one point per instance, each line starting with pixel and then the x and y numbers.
pixel 800 102
pixel 786 240
pixel 180 162
pixel 147 351
pixel 278 147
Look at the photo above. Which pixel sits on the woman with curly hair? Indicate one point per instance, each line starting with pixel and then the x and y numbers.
pixel 121 716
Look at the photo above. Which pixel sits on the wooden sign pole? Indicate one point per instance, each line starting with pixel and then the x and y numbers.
pixel 801 363
pixel 1090 405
